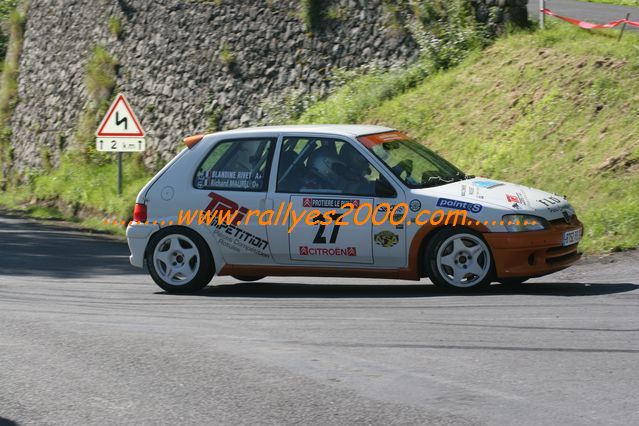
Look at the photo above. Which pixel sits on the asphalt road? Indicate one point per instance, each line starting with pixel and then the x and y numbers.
pixel 598 13
pixel 87 339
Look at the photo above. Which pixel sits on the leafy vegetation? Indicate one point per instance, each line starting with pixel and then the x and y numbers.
pixel 554 109
pixel 227 57
pixel 100 80
pixel 9 87
pixel 446 32
pixel 115 26
pixel 6 8
pixel 311 13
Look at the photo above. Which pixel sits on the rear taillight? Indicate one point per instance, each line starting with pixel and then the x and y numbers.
pixel 139 213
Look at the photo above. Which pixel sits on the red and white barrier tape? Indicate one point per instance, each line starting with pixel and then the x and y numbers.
pixel 589 25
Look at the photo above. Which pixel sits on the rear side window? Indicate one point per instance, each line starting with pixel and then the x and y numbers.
pixel 237 165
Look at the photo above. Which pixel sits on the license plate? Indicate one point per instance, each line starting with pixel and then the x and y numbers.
pixel 572 237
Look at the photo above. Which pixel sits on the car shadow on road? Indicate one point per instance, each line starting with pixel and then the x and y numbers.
pixel 328 291
pixel 7 422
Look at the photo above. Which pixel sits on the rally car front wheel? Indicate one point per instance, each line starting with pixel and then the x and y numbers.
pixel 179 260
pixel 459 259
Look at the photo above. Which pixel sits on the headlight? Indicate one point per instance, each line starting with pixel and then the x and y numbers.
pixel 524 222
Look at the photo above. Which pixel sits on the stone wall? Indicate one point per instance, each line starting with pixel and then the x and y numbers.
pixel 171 68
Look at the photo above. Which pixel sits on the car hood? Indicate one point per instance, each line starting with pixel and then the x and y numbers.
pixel 504 196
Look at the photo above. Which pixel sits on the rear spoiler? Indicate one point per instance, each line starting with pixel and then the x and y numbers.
pixel 191 141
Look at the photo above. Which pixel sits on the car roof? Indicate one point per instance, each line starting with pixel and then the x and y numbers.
pixel 352 130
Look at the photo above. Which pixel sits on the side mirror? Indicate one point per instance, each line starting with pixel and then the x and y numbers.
pixel 384 189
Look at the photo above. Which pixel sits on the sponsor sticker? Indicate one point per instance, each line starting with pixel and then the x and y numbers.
pixel 382 209
pixel 231 236
pixel 331 203
pixel 487 184
pixel 513 198
pixel 386 239
pixel 323 251
pixel 522 198
pixel 459 205
pixel 415 205
pixel 549 201
pixel 230 179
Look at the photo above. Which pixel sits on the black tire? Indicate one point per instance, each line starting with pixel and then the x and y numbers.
pixel 469 281
pixel 202 271
pixel 512 281
pixel 247 278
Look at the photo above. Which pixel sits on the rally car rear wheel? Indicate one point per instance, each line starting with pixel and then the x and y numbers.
pixel 459 259
pixel 179 260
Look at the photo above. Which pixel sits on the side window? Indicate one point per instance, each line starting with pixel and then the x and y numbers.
pixel 325 166
pixel 239 165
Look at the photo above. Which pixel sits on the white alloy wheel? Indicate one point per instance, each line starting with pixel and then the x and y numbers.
pixel 176 259
pixel 463 260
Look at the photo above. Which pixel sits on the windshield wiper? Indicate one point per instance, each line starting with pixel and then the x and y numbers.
pixel 440 181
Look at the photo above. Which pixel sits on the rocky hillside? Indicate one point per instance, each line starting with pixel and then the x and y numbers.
pixel 192 66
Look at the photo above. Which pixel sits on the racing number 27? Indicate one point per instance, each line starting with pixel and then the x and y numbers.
pixel 319 236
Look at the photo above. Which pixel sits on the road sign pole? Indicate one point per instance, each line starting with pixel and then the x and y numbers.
pixel 542 15
pixel 119 173
pixel 119 132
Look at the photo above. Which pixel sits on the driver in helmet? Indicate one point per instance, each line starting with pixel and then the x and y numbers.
pixel 324 169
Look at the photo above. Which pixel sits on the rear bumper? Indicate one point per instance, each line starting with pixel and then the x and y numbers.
pixel 137 237
pixel 533 254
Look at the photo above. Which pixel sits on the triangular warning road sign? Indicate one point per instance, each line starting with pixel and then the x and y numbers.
pixel 120 121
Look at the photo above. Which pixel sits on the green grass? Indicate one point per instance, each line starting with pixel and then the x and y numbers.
pixel 115 26
pixel 81 186
pixel 311 13
pixel 555 109
pixel 226 55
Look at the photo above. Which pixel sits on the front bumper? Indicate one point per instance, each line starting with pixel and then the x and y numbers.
pixel 137 237
pixel 535 253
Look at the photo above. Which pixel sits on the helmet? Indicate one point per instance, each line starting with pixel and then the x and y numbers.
pixel 324 164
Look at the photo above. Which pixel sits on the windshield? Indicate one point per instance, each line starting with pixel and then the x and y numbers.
pixel 416 165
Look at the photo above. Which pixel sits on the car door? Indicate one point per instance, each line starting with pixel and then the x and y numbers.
pixel 233 181
pixel 329 177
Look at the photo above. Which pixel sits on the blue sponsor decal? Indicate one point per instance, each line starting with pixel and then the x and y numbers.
pixel 487 184
pixel 459 205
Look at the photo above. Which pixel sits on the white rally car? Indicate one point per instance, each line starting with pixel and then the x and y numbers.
pixel 510 232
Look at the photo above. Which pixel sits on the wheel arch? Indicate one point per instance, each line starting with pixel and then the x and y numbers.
pixel 425 234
